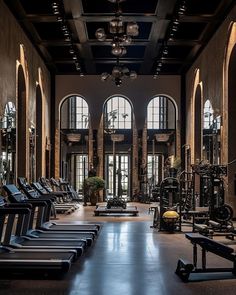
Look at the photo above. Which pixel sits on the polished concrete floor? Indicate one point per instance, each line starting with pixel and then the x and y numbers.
pixel 128 258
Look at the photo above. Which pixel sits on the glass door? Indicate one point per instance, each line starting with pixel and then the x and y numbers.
pixel 117 174
pixel 79 171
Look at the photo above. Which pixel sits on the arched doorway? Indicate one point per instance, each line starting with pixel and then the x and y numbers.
pixel 21 124
pixel 198 124
pixel 39 133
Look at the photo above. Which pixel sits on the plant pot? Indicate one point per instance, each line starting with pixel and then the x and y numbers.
pixel 94 198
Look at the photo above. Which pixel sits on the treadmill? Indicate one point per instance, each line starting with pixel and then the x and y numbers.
pixel 15 196
pixel 12 235
pixel 20 261
pixel 36 213
pixel 31 192
pixel 48 184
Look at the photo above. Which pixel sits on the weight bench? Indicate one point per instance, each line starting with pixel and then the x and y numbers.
pixel 185 268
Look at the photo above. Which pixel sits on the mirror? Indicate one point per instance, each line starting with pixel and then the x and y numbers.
pixel 211 135
pixel 8 144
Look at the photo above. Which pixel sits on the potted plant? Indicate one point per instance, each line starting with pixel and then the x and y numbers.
pixel 92 187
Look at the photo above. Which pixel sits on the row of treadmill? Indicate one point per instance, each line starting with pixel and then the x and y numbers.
pixel 32 242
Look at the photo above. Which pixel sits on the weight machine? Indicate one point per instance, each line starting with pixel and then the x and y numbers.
pixel 212 196
pixel 167 218
pixel 211 185
pixel 187 191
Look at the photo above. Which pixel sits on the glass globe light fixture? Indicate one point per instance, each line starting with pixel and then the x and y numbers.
pixel 132 29
pixel 118 51
pixel 100 34
pixel 118 73
pixel 119 32
pixel 116 26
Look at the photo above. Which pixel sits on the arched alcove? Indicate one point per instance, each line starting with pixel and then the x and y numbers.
pixel 231 122
pixel 21 123
pixel 74 140
pixel 161 139
pixel 39 132
pixel 198 124
pixel 232 106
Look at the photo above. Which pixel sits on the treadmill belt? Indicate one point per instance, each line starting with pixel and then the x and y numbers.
pixel 36 255
pixel 36 242
pixel 87 236
pixel 54 244
pixel 74 227
pixel 19 262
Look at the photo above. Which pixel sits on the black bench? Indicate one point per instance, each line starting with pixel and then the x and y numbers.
pixel 185 268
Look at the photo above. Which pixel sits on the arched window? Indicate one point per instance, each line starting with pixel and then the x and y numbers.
pixel 118 116
pixel 161 113
pixel 208 115
pixel 117 113
pixel 78 113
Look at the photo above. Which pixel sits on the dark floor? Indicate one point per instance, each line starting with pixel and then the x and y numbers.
pixel 128 258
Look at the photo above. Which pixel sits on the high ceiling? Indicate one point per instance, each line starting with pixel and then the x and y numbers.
pixel 161 45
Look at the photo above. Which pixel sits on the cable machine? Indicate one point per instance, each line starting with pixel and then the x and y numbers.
pixel 168 217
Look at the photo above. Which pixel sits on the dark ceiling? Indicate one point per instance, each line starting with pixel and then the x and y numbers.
pixel 145 54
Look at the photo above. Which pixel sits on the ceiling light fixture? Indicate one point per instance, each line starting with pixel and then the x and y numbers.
pixel 155 76
pixel 55 8
pixel 72 51
pixel 59 11
pixel 176 21
pixel 119 72
pixel 165 50
pixel 180 9
pixel 120 33
pixel 60 19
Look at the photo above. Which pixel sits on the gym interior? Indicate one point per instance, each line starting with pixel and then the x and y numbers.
pixel 117 158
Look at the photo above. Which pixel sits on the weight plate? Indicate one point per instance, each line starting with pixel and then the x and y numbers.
pixel 223 213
